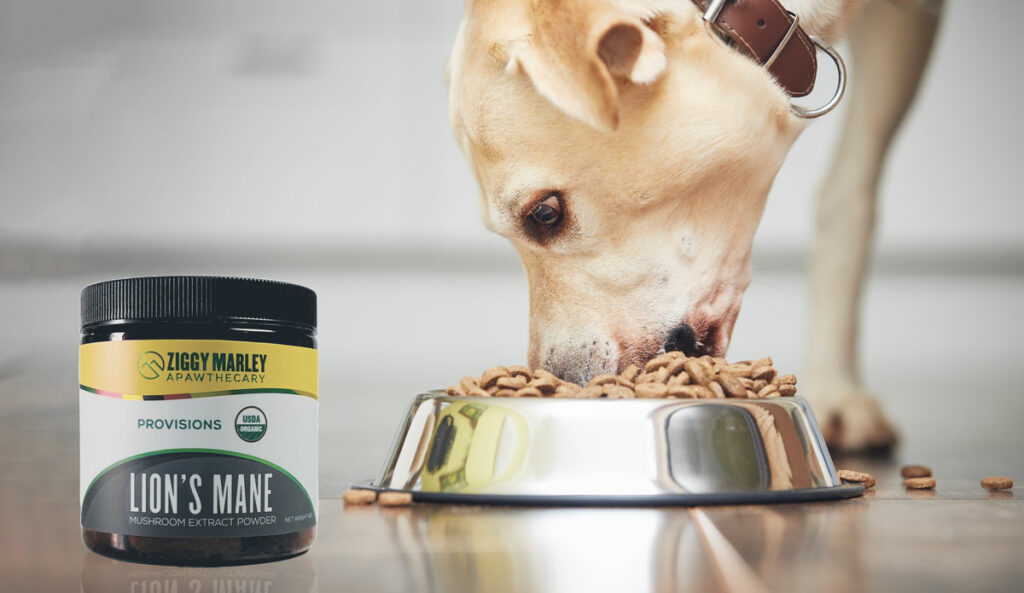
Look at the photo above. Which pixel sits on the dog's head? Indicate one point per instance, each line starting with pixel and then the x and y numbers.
pixel 627 156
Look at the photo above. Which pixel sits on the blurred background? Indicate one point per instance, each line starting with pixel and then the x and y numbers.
pixel 308 141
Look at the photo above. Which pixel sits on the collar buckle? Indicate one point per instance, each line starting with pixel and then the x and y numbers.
pixel 710 18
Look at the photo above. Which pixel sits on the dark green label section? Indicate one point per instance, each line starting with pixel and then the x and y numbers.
pixel 196 494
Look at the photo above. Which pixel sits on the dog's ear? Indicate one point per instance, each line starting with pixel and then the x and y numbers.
pixel 577 50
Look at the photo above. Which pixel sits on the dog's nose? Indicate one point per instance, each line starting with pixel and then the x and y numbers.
pixel 682 339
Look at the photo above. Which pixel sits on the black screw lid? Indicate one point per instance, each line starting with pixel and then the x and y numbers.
pixel 197 299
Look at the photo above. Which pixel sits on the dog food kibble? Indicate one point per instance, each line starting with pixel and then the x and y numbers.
pixel 672 375
pixel 359 496
pixel 919 483
pixel 394 499
pixel 915 471
pixel 995 483
pixel 848 475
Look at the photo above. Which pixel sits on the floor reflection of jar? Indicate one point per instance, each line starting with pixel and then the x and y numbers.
pixel 102 575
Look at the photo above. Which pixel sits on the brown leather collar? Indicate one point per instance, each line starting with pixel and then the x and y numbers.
pixel 769 34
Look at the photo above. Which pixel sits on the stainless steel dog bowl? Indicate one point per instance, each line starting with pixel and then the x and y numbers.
pixel 610 452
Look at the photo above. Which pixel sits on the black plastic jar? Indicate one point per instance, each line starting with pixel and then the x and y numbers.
pixel 198 420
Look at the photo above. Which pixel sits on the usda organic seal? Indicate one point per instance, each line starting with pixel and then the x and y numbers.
pixel 251 424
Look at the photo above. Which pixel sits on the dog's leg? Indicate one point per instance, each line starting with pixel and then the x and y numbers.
pixel 891 42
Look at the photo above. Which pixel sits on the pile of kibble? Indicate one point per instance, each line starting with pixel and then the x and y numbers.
pixel 672 375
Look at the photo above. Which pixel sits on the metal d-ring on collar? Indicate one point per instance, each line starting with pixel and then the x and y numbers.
pixel 837 96
pixel 711 16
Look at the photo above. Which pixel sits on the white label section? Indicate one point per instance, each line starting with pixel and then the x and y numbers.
pixel 115 429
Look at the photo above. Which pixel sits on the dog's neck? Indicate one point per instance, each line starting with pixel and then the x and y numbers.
pixel 827 19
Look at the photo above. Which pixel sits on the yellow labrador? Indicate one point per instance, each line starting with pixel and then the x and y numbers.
pixel 627 152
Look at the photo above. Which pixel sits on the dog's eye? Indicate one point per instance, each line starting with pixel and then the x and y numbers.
pixel 545 217
pixel 548 211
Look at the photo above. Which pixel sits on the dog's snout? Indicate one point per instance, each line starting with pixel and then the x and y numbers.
pixel 682 339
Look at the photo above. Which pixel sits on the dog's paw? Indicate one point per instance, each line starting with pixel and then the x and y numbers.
pixel 852 421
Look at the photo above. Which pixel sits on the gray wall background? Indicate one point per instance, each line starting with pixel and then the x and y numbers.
pixel 318 130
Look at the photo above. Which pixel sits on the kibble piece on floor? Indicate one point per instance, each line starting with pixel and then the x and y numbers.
pixel 919 483
pixel 915 471
pixel 994 483
pixel 394 499
pixel 848 475
pixel 359 496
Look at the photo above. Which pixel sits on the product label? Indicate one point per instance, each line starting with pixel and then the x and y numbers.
pixel 198 438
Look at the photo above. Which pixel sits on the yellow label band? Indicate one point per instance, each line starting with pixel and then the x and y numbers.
pixel 177 369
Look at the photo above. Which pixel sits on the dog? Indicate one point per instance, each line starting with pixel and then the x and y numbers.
pixel 627 153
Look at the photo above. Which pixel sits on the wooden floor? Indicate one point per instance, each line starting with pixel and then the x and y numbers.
pixel 956 538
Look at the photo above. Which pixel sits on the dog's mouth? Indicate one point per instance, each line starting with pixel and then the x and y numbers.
pixel 712 340
pixel 701 334
pixel 691 341
pixel 702 337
